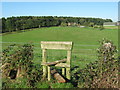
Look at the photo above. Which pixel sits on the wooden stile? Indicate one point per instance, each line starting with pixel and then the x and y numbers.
pixel 60 46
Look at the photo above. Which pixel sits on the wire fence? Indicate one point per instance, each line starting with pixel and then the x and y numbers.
pixel 36 47
pixel 40 43
pixel 80 51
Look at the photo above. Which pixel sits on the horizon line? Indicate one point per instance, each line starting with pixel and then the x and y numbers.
pixel 58 16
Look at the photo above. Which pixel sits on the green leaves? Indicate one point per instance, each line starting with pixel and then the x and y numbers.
pixel 101 73
pixel 28 22
pixel 17 56
pixel 20 58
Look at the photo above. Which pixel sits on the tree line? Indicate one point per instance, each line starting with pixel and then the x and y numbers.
pixel 19 23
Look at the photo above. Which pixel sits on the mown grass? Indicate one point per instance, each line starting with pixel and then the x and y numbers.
pixel 111 27
pixel 85 42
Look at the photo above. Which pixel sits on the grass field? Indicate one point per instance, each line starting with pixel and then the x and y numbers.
pixel 85 41
pixel 111 27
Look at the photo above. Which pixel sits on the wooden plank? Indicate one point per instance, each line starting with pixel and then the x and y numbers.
pixel 56 45
pixel 53 63
pixel 62 65
pixel 57 76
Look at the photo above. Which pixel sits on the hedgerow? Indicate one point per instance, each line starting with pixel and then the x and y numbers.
pixel 19 70
pixel 102 73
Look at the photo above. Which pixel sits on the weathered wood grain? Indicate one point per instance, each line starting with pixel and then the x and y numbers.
pixel 56 45
pixel 65 63
pixel 68 62
pixel 49 76
pixel 57 76
pixel 62 65
pixel 44 61
pixel 63 71
pixel 53 63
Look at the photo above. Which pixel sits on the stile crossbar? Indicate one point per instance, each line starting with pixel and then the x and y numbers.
pixel 65 63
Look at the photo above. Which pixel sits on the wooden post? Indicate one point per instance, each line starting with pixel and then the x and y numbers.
pixel 68 73
pixel 63 71
pixel 18 72
pixel 57 76
pixel 68 62
pixel 55 62
pixel 49 76
pixel 44 61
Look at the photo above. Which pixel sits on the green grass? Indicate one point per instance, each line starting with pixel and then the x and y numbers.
pixel 61 85
pixel 111 27
pixel 42 85
pixel 85 41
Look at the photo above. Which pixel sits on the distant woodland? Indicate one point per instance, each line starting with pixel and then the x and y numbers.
pixel 12 24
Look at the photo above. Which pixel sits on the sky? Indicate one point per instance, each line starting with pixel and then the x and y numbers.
pixel 105 10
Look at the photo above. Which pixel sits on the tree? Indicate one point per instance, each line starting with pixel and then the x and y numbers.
pixel 82 21
pixel 11 24
pixel 91 24
pixel 63 24
pixel 3 25
pixel 108 20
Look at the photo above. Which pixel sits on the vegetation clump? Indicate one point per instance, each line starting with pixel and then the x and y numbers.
pixel 102 73
pixel 17 63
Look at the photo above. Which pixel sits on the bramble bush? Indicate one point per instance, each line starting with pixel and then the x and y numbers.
pixel 17 62
pixel 102 73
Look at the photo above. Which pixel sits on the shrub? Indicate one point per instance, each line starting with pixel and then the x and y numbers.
pixel 101 27
pixel 102 73
pixel 107 66
pixel 17 58
pixel 91 24
pixel 17 63
pixel 63 24
pixel 96 26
